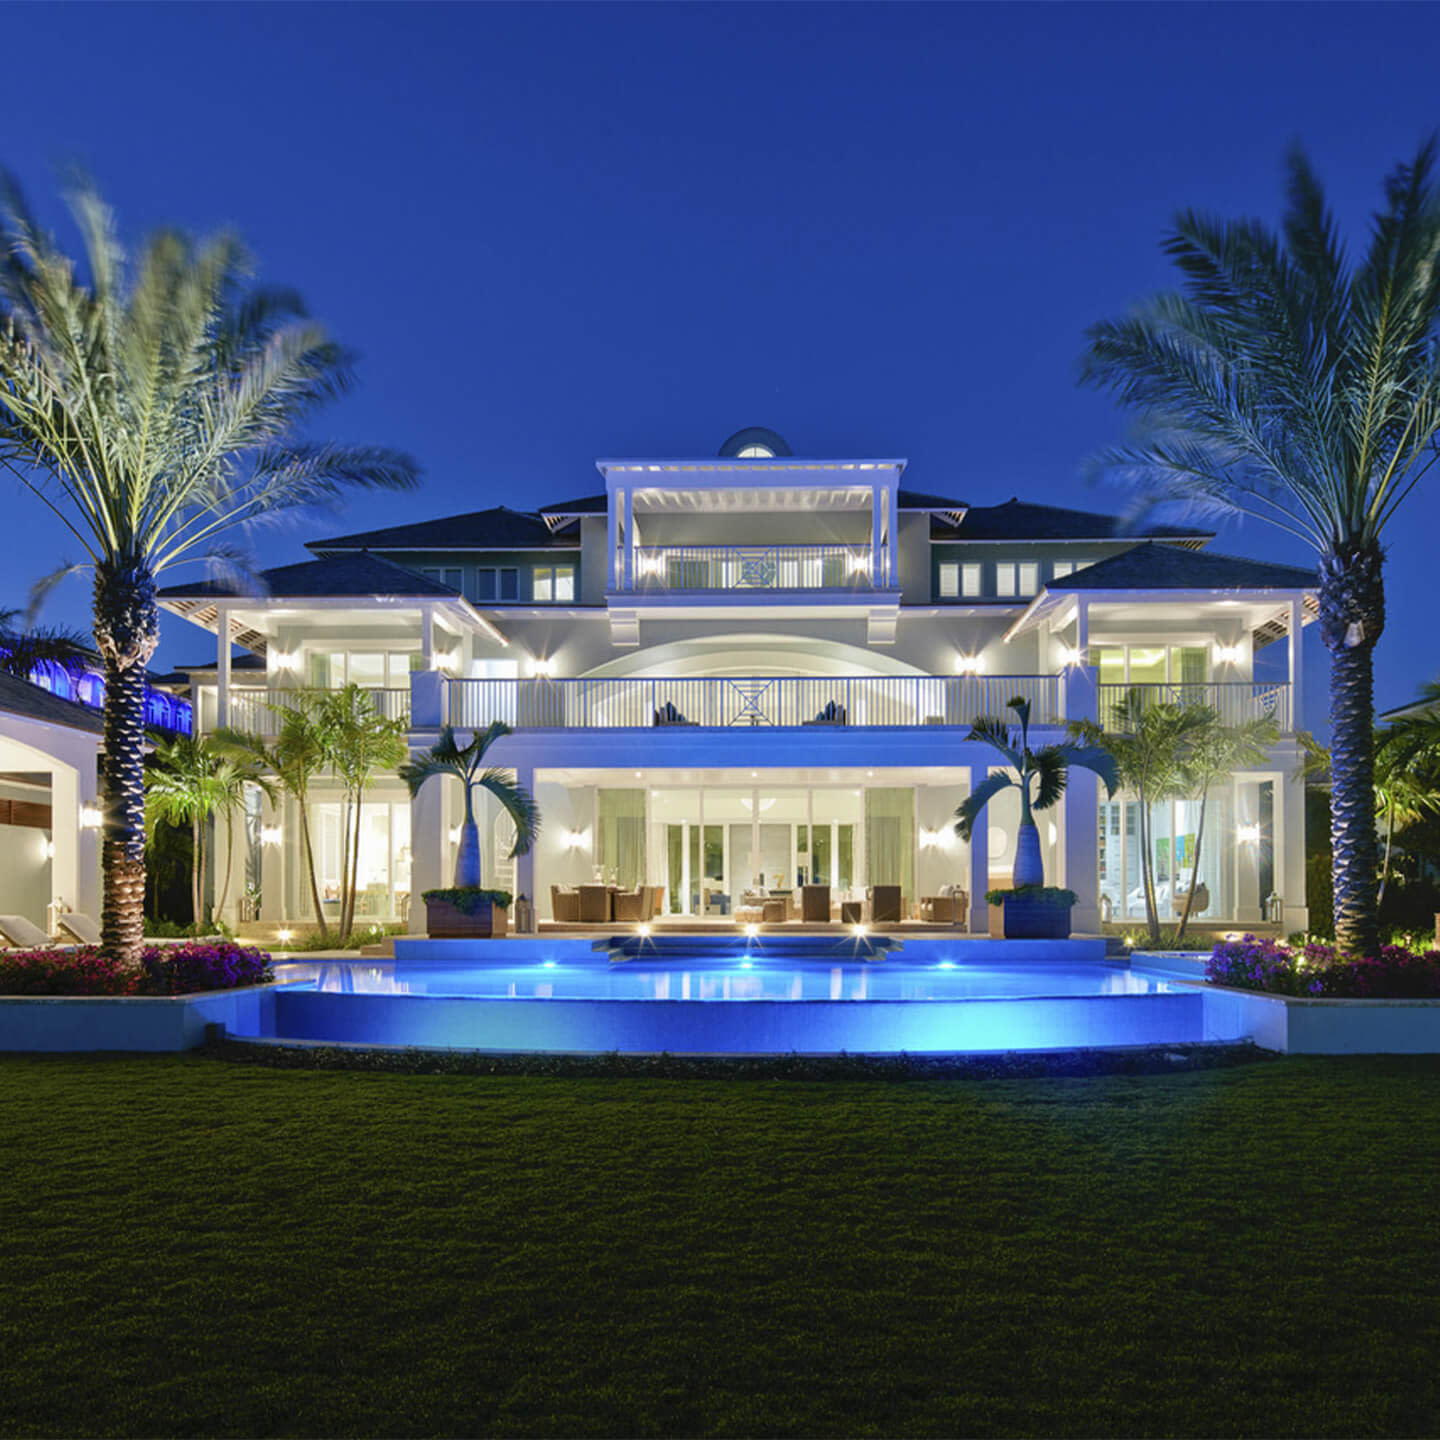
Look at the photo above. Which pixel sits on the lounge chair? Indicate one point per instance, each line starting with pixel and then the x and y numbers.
pixel 80 928
pixel 564 904
pixel 18 933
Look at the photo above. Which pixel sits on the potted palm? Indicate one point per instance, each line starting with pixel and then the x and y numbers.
pixel 1033 910
pixel 467 909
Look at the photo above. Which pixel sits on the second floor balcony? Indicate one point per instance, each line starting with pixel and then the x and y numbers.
pixel 258 710
pixel 690 568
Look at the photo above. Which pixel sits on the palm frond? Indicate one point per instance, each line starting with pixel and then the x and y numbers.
pixel 969 810
pixel 518 803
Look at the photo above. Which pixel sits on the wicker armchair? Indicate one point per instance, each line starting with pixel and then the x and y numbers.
pixel 564 903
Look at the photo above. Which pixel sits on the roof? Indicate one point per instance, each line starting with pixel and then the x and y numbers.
pixel 585 505
pixel 361 574
pixel 1152 566
pixel 20 697
pixel 182 673
pixel 919 500
pixel 1018 519
pixel 499 528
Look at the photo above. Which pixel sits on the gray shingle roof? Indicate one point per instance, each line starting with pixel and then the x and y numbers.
pixel 585 505
pixel 1152 566
pixel 499 528
pixel 920 500
pixel 1020 520
pixel 20 697
pixel 360 574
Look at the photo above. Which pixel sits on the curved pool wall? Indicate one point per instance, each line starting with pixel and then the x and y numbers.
pixel 552 994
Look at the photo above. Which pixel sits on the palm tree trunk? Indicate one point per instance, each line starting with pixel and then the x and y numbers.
pixel 127 628
pixel 1385 866
pixel 1194 867
pixel 354 857
pixel 1352 615
pixel 229 862
pixel 1147 873
pixel 197 872
pixel 310 869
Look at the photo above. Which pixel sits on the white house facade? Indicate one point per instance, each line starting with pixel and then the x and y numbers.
pixel 734 676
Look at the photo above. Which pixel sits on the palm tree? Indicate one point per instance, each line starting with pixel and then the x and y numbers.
pixel 1283 382
pixel 447 758
pixel 185 784
pixel 155 409
pixel 1149 744
pixel 1049 770
pixel 362 745
pixel 25 648
pixel 297 756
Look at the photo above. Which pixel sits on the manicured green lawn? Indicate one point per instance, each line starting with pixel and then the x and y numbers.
pixel 195 1247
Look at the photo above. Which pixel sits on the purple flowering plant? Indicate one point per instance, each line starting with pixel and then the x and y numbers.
pixel 1321 971
pixel 164 970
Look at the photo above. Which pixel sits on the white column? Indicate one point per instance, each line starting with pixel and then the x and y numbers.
pixel 1297 661
pixel 810 835
pixel 427 637
pixel 979 861
pixel 834 857
pixel 222 666
pixel 429 847
pixel 629 538
pixel 1290 850
pixel 877 570
pixel 686 879
pixel 1082 628
pixel 755 843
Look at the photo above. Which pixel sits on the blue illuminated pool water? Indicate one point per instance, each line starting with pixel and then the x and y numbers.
pixel 563 997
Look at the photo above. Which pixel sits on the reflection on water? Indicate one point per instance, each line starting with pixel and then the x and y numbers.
pixel 597 979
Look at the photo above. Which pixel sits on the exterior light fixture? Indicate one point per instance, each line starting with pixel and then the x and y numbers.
pixel 454 834
pixel 544 668
pixel 91 817
pixel 284 936
pixel 751 930
pixel 643 930
pixel 270 834
pixel 285 660
pixel 861 932
pixel 968 665
pixel 1248 834
pixel 1069 655
pixel 1229 654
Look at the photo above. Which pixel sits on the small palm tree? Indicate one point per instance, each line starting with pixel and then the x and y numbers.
pixel 362 744
pixel 155 409
pixel 25 648
pixel 296 757
pixel 447 758
pixel 1039 775
pixel 1286 384
pixel 187 781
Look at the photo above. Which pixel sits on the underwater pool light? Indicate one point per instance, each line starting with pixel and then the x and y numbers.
pixel 547 964
pixel 746 964
pixel 947 965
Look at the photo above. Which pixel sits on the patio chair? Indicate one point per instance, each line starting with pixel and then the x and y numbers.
pixel 564 903
pixel 883 903
pixel 815 903
pixel 79 927
pixel 632 904
pixel 594 904
pixel 18 933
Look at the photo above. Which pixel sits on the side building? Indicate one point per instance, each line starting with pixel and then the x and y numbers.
pixel 753 671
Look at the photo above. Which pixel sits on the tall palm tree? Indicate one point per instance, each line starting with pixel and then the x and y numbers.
pixel 185 784
pixel 445 757
pixel 1283 382
pixel 26 648
pixel 155 408
pixel 1039 775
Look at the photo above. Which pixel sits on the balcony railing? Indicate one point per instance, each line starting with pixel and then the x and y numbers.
pixel 752 567
pixel 723 701
pixel 1235 701
pixel 250 706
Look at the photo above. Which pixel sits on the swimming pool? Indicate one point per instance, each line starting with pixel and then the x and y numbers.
pixel 932 999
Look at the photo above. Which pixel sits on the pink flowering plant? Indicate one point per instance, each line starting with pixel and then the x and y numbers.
pixel 164 970
pixel 1321 971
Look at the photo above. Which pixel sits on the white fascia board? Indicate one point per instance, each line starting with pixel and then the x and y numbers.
pixel 456 605
pixel 797 604
pixel 735 474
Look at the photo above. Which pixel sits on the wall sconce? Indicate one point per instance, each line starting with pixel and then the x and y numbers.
pixel 543 668
pixel 968 665
pixel 47 849
pixel 857 564
pixel 454 834
pixel 271 834
pixel 1069 655
pixel 576 839
pixel 928 838
pixel 91 817
pixel 1229 654
pixel 285 660
pixel 445 660
pixel 1248 834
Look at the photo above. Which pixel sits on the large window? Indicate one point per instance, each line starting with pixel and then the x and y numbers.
pixel 970 581
pixel 374 669
pixel 382 886
pixel 554 583
pixel 949 580
pixel 1005 579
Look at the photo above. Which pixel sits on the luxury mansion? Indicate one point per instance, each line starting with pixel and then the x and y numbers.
pixel 736 676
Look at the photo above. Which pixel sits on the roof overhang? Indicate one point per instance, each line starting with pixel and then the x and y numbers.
pixel 1266 610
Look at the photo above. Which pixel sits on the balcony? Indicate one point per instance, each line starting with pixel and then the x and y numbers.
pixel 1235 701
pixel 254 708
pixel 688 568
pixel 823 702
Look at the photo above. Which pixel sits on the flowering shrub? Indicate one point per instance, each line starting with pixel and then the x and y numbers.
pixel 164 970
pixel 1320 970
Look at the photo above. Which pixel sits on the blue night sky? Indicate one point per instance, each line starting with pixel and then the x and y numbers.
pixel 557 233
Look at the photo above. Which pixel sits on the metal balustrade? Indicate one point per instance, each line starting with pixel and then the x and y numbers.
pixel 752 567
pixel 1236 701
pixel 821 701
pixel 251 706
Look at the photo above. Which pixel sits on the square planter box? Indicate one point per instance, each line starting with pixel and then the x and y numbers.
pixel 444 922
pixel 1031 920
